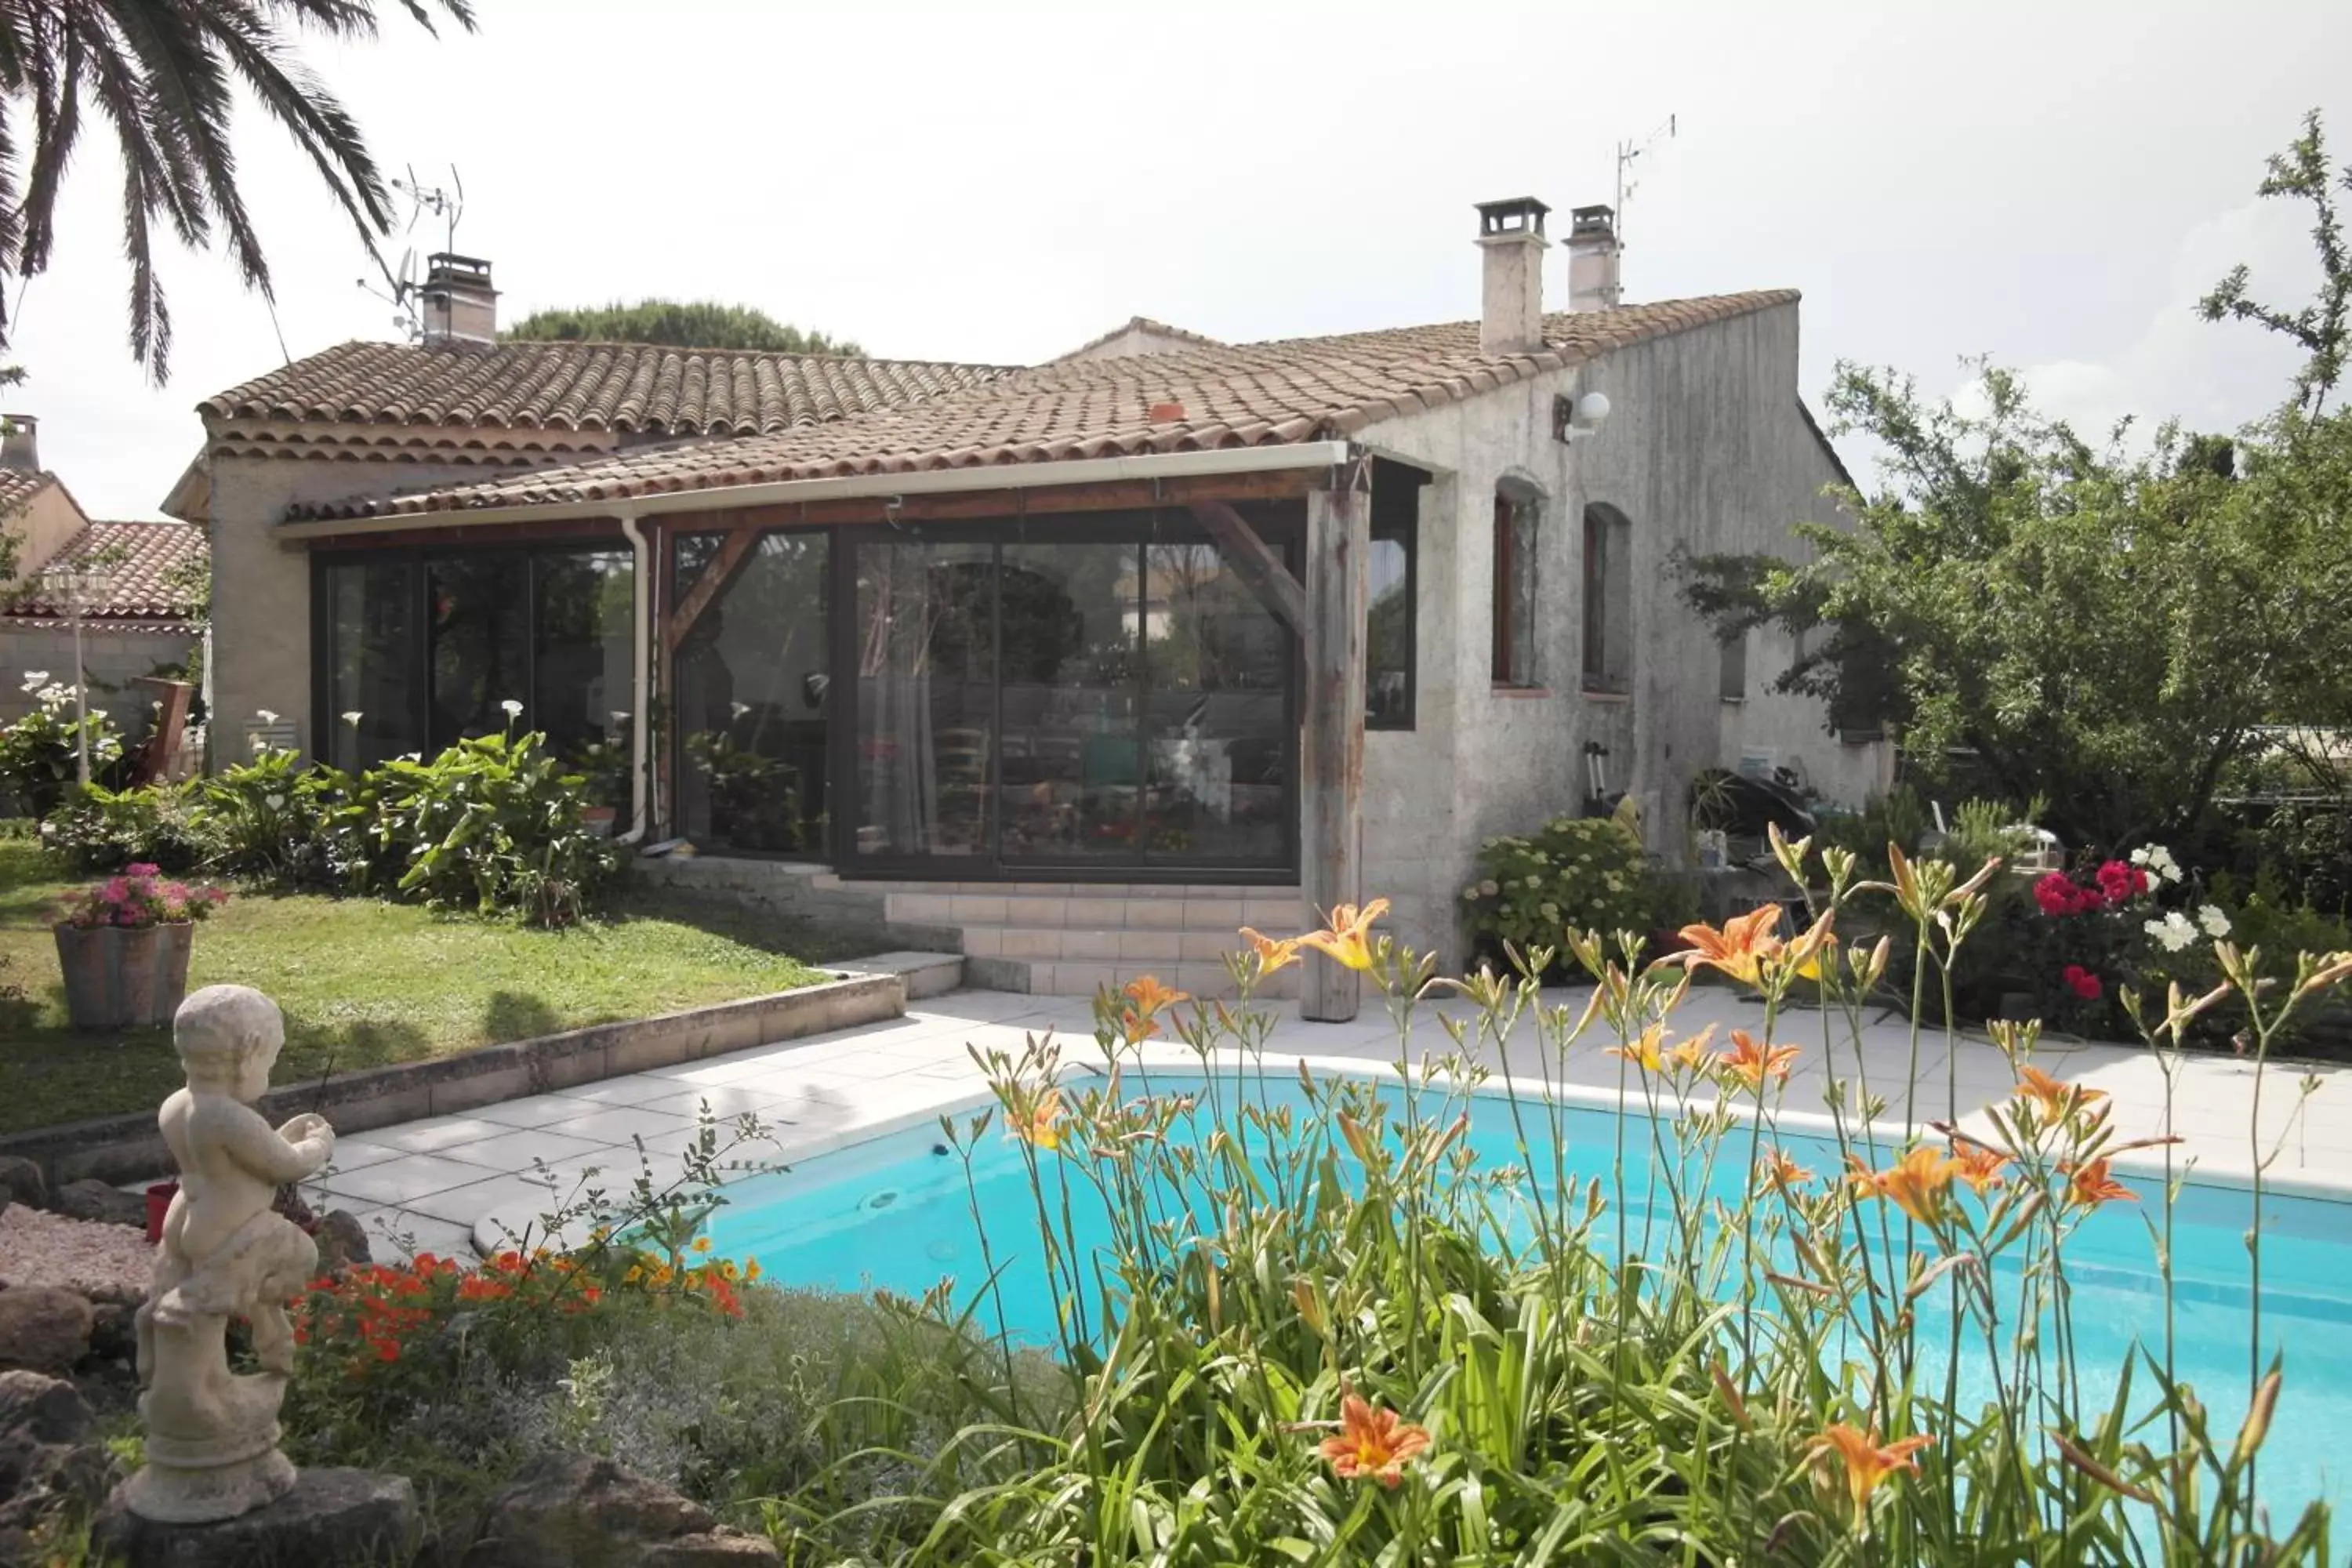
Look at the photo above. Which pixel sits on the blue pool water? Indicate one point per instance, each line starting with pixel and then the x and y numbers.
pixel 896 1214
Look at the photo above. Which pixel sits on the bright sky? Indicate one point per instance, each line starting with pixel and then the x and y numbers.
pixel 2052 183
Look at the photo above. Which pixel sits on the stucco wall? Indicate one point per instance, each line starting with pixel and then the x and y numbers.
pixel 1706 448
pixel 42 526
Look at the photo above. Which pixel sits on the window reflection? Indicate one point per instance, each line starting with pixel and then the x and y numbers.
pixel 750 699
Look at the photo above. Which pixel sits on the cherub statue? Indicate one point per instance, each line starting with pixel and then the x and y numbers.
pixel 212 1436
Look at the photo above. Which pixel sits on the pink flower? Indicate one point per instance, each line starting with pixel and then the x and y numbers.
pixel 141 868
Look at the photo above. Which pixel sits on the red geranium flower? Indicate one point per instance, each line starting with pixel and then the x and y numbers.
pixel 2082 982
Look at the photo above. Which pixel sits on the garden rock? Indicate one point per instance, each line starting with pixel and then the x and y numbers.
pixel 47 1455
pixel 328 1517
pixel 43 1329
pixel 21 1179
pixel 575 1511
pixel 94 1199
pixel 342 1241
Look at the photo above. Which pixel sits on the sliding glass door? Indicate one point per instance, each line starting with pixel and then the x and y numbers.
pixel 1094 696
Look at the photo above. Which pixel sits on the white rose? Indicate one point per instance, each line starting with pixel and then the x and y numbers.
pixel 2216 923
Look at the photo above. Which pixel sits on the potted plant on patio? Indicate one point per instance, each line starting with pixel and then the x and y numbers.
pixel 123 946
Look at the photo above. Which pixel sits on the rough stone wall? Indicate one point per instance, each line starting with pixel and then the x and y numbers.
pixel 1705 450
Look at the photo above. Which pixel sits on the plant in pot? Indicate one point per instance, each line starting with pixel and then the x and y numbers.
pixel 123 946
pixel 603 766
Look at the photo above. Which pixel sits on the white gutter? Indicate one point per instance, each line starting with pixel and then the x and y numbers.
pixel 857 486
pixel 641 608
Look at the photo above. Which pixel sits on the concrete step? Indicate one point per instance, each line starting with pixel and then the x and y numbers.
pixel 1092 944
pixel 926 974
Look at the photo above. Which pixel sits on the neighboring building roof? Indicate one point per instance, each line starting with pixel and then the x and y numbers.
pixel 144 562
pixel 629 388
pixel 1160 334
pixel 1245 395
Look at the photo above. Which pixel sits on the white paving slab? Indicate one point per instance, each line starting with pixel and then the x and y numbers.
pixel 444 1176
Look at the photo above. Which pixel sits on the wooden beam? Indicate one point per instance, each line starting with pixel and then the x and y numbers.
pixel 734 550
pixel 1338 546
pixel 1126 495
pixel 1260 567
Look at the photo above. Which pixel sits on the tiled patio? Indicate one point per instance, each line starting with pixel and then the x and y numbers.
pixel 435 1182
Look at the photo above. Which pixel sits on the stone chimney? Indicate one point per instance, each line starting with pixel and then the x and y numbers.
pixel 1593 253
pixel 461 308
pixel 20 445
pixel 1511 234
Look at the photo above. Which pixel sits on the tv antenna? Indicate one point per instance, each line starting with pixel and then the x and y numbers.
pixel 1627 152
pixel 401 284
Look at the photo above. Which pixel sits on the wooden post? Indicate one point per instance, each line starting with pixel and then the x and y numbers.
pixel 1338 542
pixel 161 758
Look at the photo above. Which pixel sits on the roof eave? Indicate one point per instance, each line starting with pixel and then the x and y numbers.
pixel 850 487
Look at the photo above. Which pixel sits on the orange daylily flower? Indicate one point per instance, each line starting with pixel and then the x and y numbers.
pixel 1040 1124
pixel 1739 949
pixel 2056 1097
pixel 1978 1166
pixel 1272 952
pixel 1649 1054
pixel 1145 998
pixel 1867 1461
pixel 1782 1171
pixel 1372 1443
pixel 1347 939
pixel 1751 1061
pixel 2089 1184
pixel 1917 1184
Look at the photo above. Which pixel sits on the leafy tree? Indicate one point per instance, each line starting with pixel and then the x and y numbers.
pixel 691 324
pixel 2107 630
pixel 164 76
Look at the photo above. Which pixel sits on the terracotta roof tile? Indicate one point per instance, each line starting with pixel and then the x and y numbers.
pixel 1240 396
pixel 142 560
pixel 1144 324
pixel 630 389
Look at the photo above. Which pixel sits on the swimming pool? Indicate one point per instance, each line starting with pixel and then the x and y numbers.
pixel 896 1213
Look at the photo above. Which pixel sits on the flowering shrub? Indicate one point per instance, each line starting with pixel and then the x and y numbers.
pixel 1579 873
pixel 138 899
pixel 40 753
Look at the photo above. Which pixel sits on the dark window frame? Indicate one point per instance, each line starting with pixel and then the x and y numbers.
pixel 1607 665
pixel 1396 515
pixel 1517 588
pixel 413 559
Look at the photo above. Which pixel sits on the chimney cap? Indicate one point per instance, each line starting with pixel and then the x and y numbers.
pixel 1600 220
pixel 1512 215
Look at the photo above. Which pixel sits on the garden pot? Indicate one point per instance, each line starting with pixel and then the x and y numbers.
pixel 600 817
pixel 119 978
pixel 158 1204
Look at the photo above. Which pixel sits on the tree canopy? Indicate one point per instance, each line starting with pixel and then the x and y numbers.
pixel 2106 628
pixel 164 76
pixel 685 324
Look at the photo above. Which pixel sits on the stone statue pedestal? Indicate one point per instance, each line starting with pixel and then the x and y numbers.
pixel 322 1519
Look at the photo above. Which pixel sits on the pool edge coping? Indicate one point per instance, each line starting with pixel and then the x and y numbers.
pixel 491 1235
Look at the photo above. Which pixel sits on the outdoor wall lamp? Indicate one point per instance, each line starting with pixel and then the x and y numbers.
pixel 1574 418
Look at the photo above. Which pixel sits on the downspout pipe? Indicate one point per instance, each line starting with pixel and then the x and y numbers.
pixel 641 605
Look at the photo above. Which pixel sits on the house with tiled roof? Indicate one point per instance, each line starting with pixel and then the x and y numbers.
pixel 1076 666
pixel 139 618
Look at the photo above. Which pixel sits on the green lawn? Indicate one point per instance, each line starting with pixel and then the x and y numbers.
pixel 364 983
